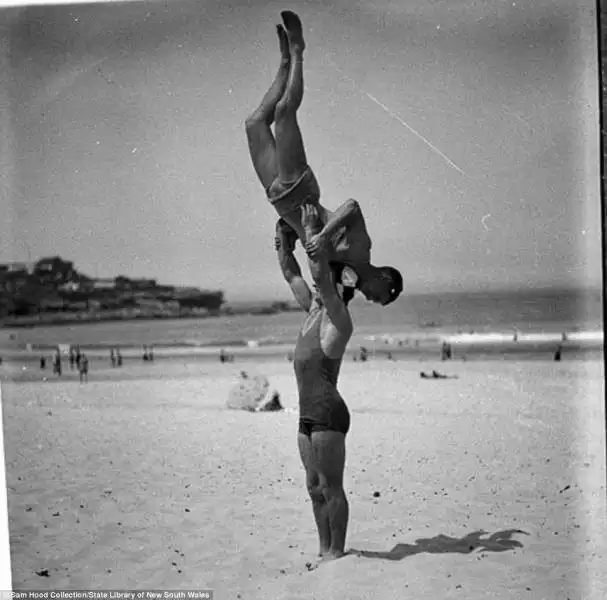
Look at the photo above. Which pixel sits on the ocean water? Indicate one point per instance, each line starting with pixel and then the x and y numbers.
pixel 549 311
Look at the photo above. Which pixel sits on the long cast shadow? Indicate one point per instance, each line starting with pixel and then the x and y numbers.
pixel 441 544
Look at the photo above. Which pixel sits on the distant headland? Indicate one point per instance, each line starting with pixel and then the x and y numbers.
pixel 52 291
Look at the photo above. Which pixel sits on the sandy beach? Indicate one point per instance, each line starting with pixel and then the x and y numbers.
pixel 491 485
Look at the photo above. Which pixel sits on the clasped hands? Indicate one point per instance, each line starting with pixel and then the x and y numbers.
pixel 286 237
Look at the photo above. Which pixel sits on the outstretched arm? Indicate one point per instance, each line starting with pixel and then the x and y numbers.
pixel 285 245
pixel 323 276
pixel 347 214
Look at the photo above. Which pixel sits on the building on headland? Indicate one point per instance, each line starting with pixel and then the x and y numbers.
pixel 18 267
pixel 70 286
pixel 104 284
pixel 53 285
pixel 141 284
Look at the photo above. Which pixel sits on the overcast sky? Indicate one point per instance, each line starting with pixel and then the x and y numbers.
pixel 466 129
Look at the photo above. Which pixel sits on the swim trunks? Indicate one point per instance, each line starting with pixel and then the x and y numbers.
pixel 287 197
pixel 321 407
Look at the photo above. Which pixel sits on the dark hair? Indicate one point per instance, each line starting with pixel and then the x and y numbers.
pixel 396 279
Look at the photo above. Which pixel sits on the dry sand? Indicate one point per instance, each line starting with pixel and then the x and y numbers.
pixel 132 482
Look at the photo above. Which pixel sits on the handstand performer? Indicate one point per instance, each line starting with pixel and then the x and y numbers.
pixel 281 165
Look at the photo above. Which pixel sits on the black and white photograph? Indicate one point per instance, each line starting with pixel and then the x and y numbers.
pixel 304 300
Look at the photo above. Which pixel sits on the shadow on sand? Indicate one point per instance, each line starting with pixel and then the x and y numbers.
pixel 442 544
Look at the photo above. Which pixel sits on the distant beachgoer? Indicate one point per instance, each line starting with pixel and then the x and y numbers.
pixel 436 375
pixel 118 357
pixel 83 368
pixel 42 363
pixel 151 353
pixel 558 352
pixel 445 351
pixel 57 362
pixel 78 356
pixel 113 356
pixel 363 354
pixel 280 162
pixel 72 358
pixel 222 356
pixel 146 356
pixel 324 419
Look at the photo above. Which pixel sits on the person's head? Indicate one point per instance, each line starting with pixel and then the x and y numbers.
pixel 382 285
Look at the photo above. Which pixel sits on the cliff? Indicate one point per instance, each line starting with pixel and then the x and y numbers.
pixel 53 290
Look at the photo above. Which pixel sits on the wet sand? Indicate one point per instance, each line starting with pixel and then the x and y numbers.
pixel 491 485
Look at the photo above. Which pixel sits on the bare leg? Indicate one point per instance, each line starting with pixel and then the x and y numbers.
pixel 291 155
pixel 329 450
pixel 262 145
pixel 319 504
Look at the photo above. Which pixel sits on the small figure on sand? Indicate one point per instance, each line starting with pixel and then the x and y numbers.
pixel 224 357
pixel 57 362
pixel 83 368
pixel 445 353
pixel 280 162
pixel 436 375
pixel 72 358
pixel 113 359
pixel 42 363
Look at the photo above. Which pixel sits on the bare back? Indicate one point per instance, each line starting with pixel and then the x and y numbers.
pixel 351 245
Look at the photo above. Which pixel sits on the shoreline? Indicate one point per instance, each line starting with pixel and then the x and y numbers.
pixel 399 342
pixel 187 364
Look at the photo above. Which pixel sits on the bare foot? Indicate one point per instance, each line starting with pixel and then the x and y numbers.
pixel 283 43
pixel 325 558
pixel 294 31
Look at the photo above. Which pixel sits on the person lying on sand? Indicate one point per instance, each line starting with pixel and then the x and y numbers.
pixel 280 162
pixel 324 419
pixel 436 375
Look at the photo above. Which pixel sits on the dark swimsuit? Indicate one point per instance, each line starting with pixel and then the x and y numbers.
pixel 321 407
pixel 288 197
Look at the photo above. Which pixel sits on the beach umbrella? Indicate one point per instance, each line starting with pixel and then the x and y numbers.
pixel 254 394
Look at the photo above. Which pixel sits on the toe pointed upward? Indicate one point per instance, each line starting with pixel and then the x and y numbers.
pixel 291 20
pixel 294 29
